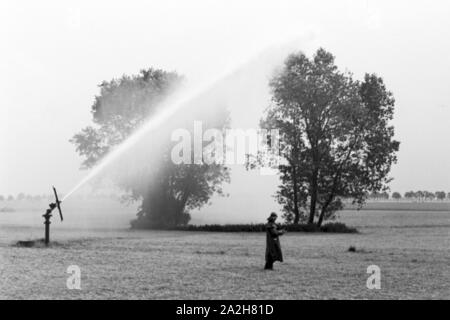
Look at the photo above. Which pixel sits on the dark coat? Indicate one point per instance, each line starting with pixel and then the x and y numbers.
pixel 273 248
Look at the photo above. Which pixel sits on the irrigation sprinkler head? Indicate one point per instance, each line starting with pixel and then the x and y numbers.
pixel 48 215
pixel 57 204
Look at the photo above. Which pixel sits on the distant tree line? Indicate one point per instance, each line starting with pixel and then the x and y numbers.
pixel 411 195
pixel 377 196
pixel 50 197
pixel 427 195
pixel 23 196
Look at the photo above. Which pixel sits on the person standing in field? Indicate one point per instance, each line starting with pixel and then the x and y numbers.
pixel 273 248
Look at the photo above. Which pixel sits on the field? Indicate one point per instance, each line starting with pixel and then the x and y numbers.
pixel 410 247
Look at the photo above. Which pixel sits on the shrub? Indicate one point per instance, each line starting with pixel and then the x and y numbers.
pixel 335 227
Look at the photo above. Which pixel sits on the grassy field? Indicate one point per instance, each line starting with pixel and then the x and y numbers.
pixel 410 247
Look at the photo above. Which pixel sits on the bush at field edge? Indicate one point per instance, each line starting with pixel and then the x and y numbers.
pixel 331 227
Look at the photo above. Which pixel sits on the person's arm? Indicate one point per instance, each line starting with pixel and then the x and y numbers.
pixel 273 230
pixel 280 232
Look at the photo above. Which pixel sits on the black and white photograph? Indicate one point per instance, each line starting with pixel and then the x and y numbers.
pixel 240 152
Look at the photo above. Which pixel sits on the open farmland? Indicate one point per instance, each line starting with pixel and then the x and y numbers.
pixel 410 247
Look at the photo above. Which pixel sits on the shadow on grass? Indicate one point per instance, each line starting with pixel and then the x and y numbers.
pixel 38 243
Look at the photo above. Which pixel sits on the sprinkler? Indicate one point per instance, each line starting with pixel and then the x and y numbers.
pixel 48 215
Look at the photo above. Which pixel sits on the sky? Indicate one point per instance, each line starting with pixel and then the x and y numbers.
pixel 54 54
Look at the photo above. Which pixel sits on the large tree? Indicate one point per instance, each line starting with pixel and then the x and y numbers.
pixel 166 190
pixel 336 141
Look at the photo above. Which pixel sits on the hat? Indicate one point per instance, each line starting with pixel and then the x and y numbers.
pixel 273 215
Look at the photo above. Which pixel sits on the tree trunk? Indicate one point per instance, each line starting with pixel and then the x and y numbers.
pixel 313 191
pixel 329 199
pixel 181 205
pixel 324 209
pixel 322 213
pixel 296 214
pixel 296 209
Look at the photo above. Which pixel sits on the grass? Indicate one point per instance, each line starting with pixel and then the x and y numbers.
pixel 200 265
pixel 411 249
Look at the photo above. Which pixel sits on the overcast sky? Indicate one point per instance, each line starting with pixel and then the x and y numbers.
pixel 53 54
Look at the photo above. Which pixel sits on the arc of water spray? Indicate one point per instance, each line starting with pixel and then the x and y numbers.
pixel 168 110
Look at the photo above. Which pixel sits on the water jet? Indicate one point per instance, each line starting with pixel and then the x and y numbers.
pixel 176 103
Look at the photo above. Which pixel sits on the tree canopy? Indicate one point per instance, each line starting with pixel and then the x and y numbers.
pixel 335 138
pixel 167 191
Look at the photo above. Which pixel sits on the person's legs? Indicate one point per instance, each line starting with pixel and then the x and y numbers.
pixel 269 264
